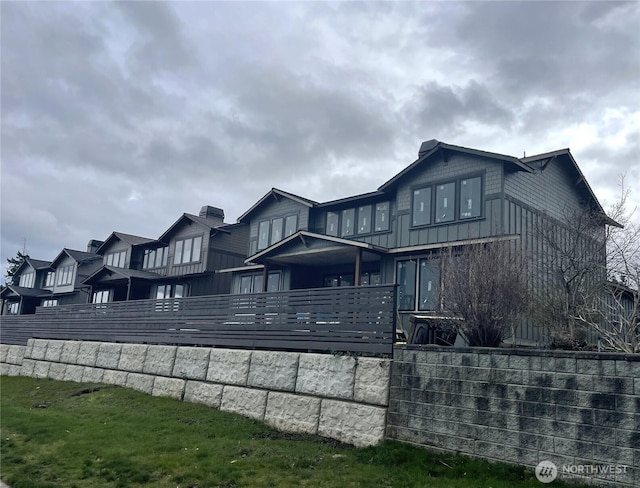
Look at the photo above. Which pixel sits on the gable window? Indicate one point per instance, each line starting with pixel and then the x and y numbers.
pixel 27 280
pixel 364 219
pixel 155 258
pixel 50 279
pixel 333 219
pixel 188 250
pixel 421 214
pixel 290 225
pixel 101 296
pixel 470 195
pixel 382 217
pixel 263 235
pixel 50 303
pixel 65 275
pixel 116 259
pixel 348 222
pixel 276 229
pixel 445 202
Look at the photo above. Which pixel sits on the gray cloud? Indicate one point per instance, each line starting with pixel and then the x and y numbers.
pixel 122 116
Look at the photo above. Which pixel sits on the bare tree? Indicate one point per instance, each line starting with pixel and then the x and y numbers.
pixel 486 286
pixel 590 264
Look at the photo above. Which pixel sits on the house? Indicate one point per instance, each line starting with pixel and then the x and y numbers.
pixel 70 269
pixel 181 263
pixel 449 196
pixel 32 286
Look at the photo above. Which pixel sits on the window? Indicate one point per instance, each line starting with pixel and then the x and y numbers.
pixel 50 303
pixel 253 283
pixel 406 280
pixel 445 202
pixel 155 258
pixel 382 217
pixel 370 279
pixel 338 280
pixel 276 229
pixel 421 213
pixel 12 308
pixel 333 219
pixel 170 291
pixel 470 196
pixel 429 284
pixel 27 280
pixel 263 235
pixel 101 296
pixel 50 279
pixel 290 225
pixel 348 219
pixel 65 275
pixel 116 259
pixel 364 219
pixel 188 250
pixel 454 200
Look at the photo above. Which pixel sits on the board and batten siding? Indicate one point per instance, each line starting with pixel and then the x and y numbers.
pixel 273 209
pixel 186 231
pixel 118 246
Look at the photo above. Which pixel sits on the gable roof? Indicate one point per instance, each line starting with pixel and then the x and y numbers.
pixel 78 256
pixel 276 194
pixel 429 148
pixel 36 264
pixel 121 236
pixel 21 291
pixel 315 246
pixel 209 223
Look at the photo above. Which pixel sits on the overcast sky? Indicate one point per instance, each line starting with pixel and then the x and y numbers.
pixel 122 116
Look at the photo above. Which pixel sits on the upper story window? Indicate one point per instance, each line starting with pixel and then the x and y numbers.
pixel 364 219
pixel 276 229
pixel 447 202
pixel 470 197
pixel 155 258
pixel 116 259
pixel 333 220
pixel 188 250
pixel 50 280
pixel 65 275
pixel 382 217
pixel 27 280
pixel 348 222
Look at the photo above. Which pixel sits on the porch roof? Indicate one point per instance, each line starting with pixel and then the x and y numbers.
pixel 113 275
pixel 310 249
pixel 21 291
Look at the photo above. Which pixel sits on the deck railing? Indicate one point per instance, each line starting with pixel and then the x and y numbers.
pixel 347 319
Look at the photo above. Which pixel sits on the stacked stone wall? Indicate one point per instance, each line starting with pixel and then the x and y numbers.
pixel 578 410
pixel 339 397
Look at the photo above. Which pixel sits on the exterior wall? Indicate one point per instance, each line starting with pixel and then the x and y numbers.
pixel 185 231
pixel 66 261
pixel 118 246
pixel 520 406
pixel 340 397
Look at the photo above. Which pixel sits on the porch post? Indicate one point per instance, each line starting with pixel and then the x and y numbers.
pixel 356 279
pixel 129 289
pixel 265 276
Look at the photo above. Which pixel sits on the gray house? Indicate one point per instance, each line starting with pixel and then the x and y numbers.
pixel 449 196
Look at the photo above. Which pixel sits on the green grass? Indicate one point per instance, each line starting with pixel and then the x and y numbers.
pixel 62 434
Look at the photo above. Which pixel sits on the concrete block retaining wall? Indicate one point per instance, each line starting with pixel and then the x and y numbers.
pixel 340 397
pixel 574 409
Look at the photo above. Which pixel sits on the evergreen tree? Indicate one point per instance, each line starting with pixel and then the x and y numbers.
pixel 13 265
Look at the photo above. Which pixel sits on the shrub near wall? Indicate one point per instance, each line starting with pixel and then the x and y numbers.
pixel 577 410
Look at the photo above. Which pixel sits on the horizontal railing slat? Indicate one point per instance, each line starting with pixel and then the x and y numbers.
pixel 348 319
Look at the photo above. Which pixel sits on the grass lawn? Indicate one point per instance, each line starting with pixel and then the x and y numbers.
pixel 63 434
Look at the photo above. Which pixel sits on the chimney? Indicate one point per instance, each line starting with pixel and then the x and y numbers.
pixel 209 212
pixel 93 245
pixel 427 146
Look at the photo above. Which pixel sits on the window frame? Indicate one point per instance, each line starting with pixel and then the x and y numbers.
pixel 65 275
pixel 181 249
pixel 379 217
pixel 332 218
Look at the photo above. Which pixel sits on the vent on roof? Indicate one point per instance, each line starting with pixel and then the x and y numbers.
pixel 427 146
pixel 93 245
pixel 209 212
